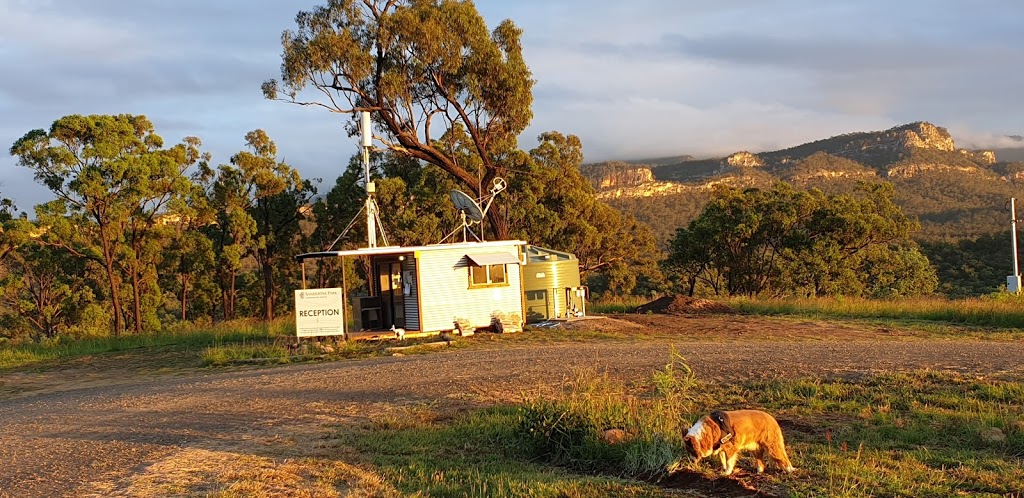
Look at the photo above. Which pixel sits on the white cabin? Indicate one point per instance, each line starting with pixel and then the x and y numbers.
pixel 427 288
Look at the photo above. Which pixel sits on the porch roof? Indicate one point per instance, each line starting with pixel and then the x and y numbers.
pixel 379 251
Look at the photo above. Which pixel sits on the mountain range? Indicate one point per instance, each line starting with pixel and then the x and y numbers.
pixel 956 193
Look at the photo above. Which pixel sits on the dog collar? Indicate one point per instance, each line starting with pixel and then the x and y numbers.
pixel 722 420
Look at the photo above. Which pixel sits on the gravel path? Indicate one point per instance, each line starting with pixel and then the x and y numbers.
pixel 90 440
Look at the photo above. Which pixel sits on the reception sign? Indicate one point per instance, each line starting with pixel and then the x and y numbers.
pixel 319 312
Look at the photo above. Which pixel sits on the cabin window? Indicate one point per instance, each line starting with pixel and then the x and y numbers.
pixel 487 275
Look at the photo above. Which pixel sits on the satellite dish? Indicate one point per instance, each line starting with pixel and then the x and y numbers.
pixel 470 211
pixel 466 205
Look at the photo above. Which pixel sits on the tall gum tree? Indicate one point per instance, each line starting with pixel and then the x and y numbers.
pixel 260 202
pixel 112 177
pixel 421 67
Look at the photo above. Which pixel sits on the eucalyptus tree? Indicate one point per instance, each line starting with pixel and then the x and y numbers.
pixel 422 67
pixel 783 241
pixel 42 287
pixel 553 205
pixel 260 203
pixel 113 180
pixel 7 210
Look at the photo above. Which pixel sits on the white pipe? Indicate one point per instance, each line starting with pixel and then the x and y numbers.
pixel 371 205
pixel 1013 235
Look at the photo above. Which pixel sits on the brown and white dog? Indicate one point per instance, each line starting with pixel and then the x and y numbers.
pixel 727 433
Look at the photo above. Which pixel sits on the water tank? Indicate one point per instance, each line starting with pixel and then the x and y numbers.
pixel 547 276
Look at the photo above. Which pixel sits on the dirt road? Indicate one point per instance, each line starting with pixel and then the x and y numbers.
pixel 103 435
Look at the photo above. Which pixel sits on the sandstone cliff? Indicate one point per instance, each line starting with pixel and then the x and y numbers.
pixel 955 192
pixel 617 174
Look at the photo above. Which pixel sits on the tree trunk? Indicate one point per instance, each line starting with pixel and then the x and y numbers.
pixel 115 294
pixel 184 296
pixel 499 223
pixel 136 295
pixel 268 290
pixel 229 306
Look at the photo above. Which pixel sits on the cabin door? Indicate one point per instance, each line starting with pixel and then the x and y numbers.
pixel 392 300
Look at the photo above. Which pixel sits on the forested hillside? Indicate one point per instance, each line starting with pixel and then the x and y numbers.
pixel 956 194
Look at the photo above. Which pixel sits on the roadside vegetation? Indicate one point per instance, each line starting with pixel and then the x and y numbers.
pixel 998 316
pixel 908 434
pixel 997 310
pixel 184 339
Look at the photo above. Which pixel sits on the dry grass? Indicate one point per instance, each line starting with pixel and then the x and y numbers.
pixel 194 472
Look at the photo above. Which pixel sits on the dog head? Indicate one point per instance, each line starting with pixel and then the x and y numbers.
pixel 702 439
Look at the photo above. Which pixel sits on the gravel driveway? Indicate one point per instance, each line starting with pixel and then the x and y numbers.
pixel 92 437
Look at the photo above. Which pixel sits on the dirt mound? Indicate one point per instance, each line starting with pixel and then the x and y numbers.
pixel 684 305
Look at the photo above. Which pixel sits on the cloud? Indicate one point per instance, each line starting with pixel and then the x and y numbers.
pixel 974 139
pixel 637 127
pixel 632 79
pixel 43 29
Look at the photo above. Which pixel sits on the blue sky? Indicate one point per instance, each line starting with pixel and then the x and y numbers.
pixel 644 78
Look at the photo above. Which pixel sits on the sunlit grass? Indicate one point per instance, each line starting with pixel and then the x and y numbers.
pixel 423 453
pixel 185 338
pixel 909 434
pixel 617 304
pixel 1007 312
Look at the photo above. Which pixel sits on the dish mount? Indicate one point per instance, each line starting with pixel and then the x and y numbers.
pixel 470 210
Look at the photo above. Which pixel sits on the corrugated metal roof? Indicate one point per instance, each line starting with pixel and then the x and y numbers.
pixel 405 250
pixel 493 258
pixel 542 254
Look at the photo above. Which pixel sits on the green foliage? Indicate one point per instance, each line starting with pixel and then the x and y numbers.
pixel 412 62
pixel 552 205
pixel 971 267
pixel 113 178
pixel 7 210
pixel 257 202
pixel 782 241
pixel 43 290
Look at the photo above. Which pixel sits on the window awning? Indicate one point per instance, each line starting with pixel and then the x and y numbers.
pixel 493 258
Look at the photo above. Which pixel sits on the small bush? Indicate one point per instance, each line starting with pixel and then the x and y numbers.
pixel 569 431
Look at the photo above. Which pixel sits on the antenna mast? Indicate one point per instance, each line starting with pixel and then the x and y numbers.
pixel 372 211
pixel 1013 281
pixel 370 206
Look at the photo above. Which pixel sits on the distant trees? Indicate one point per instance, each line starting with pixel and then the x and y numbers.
pixel 423 67
pixel 44 289
pixel 971 267
pixel 782 241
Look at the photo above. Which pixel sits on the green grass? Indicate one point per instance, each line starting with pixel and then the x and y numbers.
pixel 276 351
pixel 922 433
pixel 1004 312
pixel 182 338
pixel 475 454
pixel 617 304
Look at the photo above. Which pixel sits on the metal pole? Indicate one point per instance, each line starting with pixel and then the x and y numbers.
pixel 1013 235
pixel 344 301
pixel 371 205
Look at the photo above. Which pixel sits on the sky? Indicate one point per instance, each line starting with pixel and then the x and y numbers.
pixel 637 79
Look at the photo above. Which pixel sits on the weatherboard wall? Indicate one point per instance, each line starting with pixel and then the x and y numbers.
pixel 444 284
